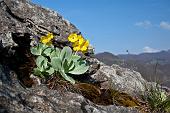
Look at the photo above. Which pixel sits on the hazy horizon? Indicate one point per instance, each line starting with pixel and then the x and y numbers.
pixel 117 25
pixel 133 53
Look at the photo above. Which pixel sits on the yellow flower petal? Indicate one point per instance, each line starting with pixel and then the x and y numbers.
pixel 84 48
pixel 75 44
pixel 49 43
pixel 47 39
pixel 73 37
pixel 50 36
pixel 86 43
pixel 77 48
pixel 43 39
pixel 80 41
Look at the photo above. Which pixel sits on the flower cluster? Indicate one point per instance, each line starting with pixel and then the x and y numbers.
pixel 51 60
pixel 47 39
pixel 78 42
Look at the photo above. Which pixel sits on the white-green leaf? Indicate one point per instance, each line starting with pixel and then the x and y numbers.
pixel 66 53
pixel 71 65
pixel 56 63
pixel 41 62
pixel 47 51
pixel 42 46
pixel 55 53
pixel 75 58
pixel 35 51
pixel 57 50
pixel 66 77
pixel 37 72
pixel 79 70
pixel 50 71
pixel 65 66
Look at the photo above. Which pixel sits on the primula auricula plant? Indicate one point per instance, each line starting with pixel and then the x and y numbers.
pixel 52 60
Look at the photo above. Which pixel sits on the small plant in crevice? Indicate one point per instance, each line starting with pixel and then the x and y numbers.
pixel 157 99
pixel 52 60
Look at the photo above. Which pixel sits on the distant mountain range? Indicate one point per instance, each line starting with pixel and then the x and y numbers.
pixel 152 66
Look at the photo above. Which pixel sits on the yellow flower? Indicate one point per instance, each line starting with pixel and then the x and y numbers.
pixel 78 42
pixel 76 48
pixel 73 37
pixel 47 39
pixel 86 43
pixel 84 47
pixel 81 47
pixel 50 36
pixel 44 40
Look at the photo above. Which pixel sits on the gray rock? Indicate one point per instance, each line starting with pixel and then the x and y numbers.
pixel 22 19
pixel 121 79
pixel 16 99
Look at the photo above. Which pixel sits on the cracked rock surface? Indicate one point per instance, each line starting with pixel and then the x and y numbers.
pixel 20 18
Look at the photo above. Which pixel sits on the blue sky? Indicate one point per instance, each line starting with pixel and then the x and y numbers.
pixel 118 25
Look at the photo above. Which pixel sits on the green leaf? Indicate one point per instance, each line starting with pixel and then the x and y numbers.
pixel 42 46
pixel 66 77
pixel 65 66
pixel 35 51
pixel 50 71
pixel 55 53
pixel 38 49
pixel 47 51
pixel 167 105
pixel 75 58
pixel 57 50
pixel 38 72
pixel 41 62
pixel 79 70
pixel 82 62
pixel 66 53
pixel 71 65
pixel 56 63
